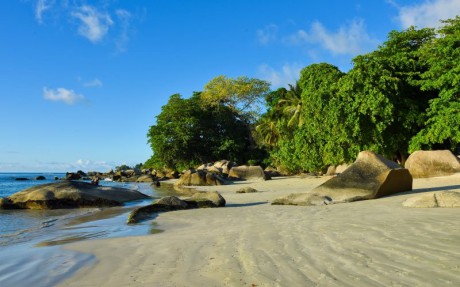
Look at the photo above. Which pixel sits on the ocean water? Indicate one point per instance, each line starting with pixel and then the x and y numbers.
pixel 31 241
pixel 56 227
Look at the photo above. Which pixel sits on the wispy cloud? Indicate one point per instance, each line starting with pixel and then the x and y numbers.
pixel 96 83
pixel 124 18
pixel 41 166
pixel 287 74
pixel 41 7
pixel 350 39
pixel 92 165
pixel 96 22
pixel 62 95
pixel 268 34
pixel 94 25
pixel 427 14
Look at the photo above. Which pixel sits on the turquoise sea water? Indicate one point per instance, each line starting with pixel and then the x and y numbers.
pixel 31 241
pixel 54 227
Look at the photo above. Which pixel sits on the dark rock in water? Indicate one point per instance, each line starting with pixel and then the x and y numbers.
pixel 21 178
pixel 171 203
pixel 72 176
pixel 6 203
pixel 370 176
pixel 40 177
pixel 56 178
pixel 69 194
pixel 81 173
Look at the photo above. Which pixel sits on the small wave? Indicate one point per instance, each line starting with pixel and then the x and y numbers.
pixel 18 232
pixel 48 223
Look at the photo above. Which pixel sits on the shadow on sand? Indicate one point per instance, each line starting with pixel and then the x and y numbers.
pixel 428 189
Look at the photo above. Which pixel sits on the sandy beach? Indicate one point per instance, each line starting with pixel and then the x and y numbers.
pixel 252 243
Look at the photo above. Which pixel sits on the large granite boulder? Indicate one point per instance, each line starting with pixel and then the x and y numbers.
pixel 69 194
pixel 245 172
pixel 430 163
pixel 145 178
pixel 206 199
pixel 172 203
pixel 370 176
pixel 199 178
pixel 225 166
pixel 445 198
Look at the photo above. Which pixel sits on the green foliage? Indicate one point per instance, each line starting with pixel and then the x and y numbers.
pixel 122 167
pixel 442 54
pixel 242 95
pixel 383 101
pixel 378 105
pixel 399 98
pixel 187 134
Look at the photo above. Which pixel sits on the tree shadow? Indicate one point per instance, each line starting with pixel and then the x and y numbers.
pixel 428 189
pixel 246 204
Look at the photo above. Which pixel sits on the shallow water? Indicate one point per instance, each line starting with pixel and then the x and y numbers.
pixel 30 240
pixel 52 227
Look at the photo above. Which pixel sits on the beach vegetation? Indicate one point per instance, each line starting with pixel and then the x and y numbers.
pixel 399 98
pixel 188 133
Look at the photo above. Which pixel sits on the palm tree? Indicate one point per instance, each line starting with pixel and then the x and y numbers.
pixel 291 105
pixel 268 131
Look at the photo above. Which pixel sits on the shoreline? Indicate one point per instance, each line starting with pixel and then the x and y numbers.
pixel 42 260
pixel 374 242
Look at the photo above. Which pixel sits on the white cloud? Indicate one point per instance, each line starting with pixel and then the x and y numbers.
pixel 41 7
pixel 62 95
pixel 96 83
pixel 39 166
pixel 288 74
pixel 92 165
pixel 124 23
pixel 267 34
pixel 351 39
pixel 94 24
pixel 428 14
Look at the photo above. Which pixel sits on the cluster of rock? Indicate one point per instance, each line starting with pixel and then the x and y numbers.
pixel 130 175
pixel 220 172
pixel 370 176
pixel 69 194
pixel 171 203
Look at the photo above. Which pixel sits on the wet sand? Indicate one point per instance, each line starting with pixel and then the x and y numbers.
pixel 252 243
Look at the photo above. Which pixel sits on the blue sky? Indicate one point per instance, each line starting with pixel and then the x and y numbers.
pixel 82 81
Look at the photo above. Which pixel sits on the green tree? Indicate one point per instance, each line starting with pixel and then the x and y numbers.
pixel 291 104
pixel 242 95
pixel 187 134
pixel 383 106
pixel 301 146
pixel 442 128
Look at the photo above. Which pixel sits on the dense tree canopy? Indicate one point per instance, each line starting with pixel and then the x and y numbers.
pixel 242 95
pixel 401 97
pixel 443 77
pixel 186 134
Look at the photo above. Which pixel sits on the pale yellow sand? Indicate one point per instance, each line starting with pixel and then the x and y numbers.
pixel 252 243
